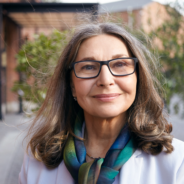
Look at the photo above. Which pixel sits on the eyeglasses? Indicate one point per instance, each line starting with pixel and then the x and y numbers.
pixel 91 69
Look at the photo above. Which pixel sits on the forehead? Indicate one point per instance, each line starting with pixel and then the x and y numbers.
pixel 102 47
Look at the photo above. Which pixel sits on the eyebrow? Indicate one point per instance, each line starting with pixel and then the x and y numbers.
pixel 88 58
pixel 119 56
pixel 113 57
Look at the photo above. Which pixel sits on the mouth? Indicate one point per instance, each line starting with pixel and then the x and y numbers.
pixel 106 97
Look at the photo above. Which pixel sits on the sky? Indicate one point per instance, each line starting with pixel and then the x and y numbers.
pixel 108 1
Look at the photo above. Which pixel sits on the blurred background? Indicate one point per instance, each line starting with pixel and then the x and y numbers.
pixel 32 36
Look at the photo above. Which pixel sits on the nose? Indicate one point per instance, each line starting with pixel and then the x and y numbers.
pixel 105 77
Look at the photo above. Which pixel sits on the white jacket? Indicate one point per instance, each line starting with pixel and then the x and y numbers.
pixel 141 168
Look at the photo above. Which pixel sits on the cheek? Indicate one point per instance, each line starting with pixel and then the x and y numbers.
pixel 82 87
pixel 128 84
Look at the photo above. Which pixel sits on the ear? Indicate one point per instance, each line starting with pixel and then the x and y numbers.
pixel 73 88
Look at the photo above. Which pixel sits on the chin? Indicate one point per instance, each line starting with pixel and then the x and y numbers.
pixel 105 111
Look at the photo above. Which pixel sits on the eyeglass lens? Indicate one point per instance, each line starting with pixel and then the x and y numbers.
pixel 87 69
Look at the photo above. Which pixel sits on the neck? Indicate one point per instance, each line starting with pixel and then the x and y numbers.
pixel 101 133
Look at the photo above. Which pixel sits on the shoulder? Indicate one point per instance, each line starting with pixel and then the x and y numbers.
pixel 178 149
pixel 155 169
pixel 35 172
pixel 178 144
pixel 166 164
pixel 177 155
pixel 173 159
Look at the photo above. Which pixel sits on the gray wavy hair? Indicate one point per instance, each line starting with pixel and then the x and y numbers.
pixel 146 118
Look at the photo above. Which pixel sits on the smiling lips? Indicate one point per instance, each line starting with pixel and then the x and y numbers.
pixel 107 97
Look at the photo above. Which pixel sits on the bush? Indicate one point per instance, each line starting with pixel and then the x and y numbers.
pixel 36 62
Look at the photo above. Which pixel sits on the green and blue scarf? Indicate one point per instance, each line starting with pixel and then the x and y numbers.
pixel 100 170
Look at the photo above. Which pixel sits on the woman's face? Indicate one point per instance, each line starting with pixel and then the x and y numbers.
pixel 105 96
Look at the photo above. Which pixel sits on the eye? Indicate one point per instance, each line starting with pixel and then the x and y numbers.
pixel 119 64
pixel 89 67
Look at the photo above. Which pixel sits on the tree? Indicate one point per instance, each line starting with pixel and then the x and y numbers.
pixel 170 47
pixel 36 62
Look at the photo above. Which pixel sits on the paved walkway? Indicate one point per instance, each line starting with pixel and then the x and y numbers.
pixel 12 132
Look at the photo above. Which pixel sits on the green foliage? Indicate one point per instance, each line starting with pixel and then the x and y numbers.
pixel 36 62
pixel 170 42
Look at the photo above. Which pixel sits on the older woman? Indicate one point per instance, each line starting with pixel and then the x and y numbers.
pixel 102 120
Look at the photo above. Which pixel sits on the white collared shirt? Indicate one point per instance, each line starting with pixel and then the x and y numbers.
pixel 141 168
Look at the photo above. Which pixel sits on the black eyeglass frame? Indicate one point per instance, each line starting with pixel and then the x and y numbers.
pixel 72 66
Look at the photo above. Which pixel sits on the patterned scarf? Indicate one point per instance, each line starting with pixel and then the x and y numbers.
pixel 99 170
